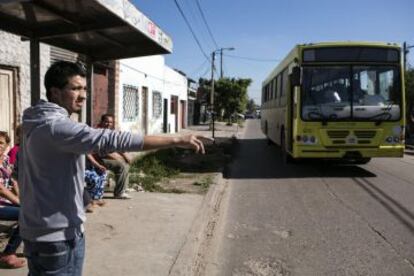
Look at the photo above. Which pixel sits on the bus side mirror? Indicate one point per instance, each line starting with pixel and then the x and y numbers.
pixel 295 76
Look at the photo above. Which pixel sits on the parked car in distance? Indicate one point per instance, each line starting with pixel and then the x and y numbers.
pixel 250 116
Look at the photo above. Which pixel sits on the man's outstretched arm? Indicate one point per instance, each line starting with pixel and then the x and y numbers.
pixel 186 141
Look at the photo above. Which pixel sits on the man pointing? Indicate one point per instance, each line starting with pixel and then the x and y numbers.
pixel 53 166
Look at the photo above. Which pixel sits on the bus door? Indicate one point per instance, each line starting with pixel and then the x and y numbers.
pixel 294 80
pixel 289 117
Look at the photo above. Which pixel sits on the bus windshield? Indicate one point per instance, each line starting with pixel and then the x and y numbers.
pixel 360 93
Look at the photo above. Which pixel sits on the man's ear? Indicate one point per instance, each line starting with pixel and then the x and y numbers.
pixel 54 93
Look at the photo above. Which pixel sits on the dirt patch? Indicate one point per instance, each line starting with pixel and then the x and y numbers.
pixel 182 171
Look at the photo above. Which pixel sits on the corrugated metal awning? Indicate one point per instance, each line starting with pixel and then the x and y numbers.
pixel 99 29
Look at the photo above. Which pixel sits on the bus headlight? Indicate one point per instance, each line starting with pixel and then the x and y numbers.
pixel 389 139
pixel 306 139
pixel 396 139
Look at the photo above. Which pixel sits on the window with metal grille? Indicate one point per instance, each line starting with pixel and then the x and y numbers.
pixel 130 103
pixel 156 104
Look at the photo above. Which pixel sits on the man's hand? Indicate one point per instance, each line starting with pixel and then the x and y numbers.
pixel 101 168
pixel 192 142
pixel 127 158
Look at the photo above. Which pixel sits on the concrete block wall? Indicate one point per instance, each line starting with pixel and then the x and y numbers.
pixel 15 53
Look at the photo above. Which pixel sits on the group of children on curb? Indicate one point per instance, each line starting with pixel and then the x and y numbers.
pixel 96 175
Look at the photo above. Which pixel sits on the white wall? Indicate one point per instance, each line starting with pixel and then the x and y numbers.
pixel 175 84
pixel 150 72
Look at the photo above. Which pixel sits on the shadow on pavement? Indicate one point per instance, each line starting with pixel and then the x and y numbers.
pixel 254 158
pixel 393 206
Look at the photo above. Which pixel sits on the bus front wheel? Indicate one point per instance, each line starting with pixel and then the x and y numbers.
pixel 287 159
pixel 362 161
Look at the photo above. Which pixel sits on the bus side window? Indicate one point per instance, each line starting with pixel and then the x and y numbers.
pixel 274 81
pixel 285 83
pixel 279 88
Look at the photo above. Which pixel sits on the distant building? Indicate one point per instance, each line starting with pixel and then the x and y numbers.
pixel 152 96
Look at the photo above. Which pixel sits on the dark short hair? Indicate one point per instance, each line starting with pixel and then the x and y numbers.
pixel 5 136
pixel 18 130
pixel 59 73
pixel 104 116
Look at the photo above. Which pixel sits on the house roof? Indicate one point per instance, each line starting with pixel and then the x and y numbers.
pixel 99 29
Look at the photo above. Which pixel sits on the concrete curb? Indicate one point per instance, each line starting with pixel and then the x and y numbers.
pixel 190 258
pixel 409 149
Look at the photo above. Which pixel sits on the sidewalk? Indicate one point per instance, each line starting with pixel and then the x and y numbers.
pixel 151 234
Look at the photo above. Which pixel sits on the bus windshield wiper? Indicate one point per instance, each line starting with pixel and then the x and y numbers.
pixel 319 113
pixel 386 113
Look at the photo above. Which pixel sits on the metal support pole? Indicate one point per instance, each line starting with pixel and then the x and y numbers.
pixel 34 70
pixel 213 55
pixel 89 99
pixel 405 52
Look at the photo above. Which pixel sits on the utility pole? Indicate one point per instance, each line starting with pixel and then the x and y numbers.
pixel 213 55
pixel 221 63
pixel 405 53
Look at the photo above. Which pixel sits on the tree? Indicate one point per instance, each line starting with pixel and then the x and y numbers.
pixel 409 91
pixel 230 95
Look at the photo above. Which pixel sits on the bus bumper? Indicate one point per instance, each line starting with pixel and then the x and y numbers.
pixel 348 153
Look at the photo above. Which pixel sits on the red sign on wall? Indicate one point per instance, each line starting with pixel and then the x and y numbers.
pixel 152 28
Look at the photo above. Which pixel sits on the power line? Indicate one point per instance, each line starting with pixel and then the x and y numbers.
pixel 191 30
pixel 149 75
pixel 205 73
pixel 199 68
pixel 205 22
pixel 254 59
pixel 194 17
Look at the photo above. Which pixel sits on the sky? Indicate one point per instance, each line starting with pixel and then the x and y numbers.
pixel 264 31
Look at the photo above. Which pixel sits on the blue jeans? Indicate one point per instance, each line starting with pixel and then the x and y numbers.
pixel 63 258
pixel 11 213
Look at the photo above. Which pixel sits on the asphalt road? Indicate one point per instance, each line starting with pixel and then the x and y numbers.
pixel 313 218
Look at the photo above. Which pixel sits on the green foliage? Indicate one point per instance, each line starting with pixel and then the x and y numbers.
pixel 152 168
pixel 409 89
pixel 230 95
pixel 409 92
pixel 204 183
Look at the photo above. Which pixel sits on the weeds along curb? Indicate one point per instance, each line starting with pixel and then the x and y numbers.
pixel 189 259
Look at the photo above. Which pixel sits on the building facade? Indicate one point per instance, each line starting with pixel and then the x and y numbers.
pixel 15 93
pixel 152 96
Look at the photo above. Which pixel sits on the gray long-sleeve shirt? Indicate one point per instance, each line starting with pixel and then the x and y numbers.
pixel 52 169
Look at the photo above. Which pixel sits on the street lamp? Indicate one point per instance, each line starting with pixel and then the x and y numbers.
pixel 405 52
pixel 221 59
pixel 213 56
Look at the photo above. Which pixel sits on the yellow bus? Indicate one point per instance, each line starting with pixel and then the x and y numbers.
pixel 336 100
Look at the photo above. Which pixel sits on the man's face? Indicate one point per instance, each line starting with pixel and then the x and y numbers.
pixel 108 122
pixel 73 95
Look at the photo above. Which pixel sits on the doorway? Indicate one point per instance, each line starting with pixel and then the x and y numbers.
pixel 144 122
pixel 7 106
pixel 165 116
pixel 183 114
